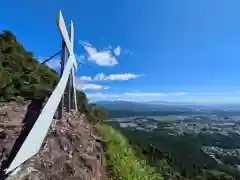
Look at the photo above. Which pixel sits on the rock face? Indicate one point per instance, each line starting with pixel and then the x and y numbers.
pixel 70 150
pixel 12 115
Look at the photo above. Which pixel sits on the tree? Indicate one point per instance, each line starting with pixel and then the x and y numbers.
pixel 22 75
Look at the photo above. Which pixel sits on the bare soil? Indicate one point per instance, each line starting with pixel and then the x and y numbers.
pixel 70 151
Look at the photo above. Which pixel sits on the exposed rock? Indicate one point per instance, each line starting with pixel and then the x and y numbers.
pixel 69 152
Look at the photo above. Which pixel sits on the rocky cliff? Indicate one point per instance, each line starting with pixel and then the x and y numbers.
pixel 70 150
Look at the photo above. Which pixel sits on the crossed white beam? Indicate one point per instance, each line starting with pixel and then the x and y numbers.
pixel 36 136
pixel 70 46
pixel 69 41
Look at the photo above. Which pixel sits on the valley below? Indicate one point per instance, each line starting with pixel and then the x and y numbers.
pixel 182 143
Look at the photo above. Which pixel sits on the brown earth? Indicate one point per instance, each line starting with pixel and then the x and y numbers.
pixel 70 150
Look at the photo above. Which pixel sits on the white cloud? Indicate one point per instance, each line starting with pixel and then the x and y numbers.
pixel 80 85
pixel 102 58
pixel 80 58
pixel 117 51
pixel 85 78
pixel 102 95
pixel 111 77
pixel 123 77
pixel 194 97
pixel 137 96
pixel 54 64
pixel 91 87
pixel 181 93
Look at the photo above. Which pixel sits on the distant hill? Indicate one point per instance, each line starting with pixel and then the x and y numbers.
pixel 139 106
pixel 165 105
pixel 125 105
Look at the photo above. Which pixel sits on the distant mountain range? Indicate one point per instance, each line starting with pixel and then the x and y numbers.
pixel 124 105
pixel 129 105
pixel 160 105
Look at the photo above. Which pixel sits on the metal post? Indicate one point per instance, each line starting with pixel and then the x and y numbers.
pixel 68 89
pixel 68 94
pixel 72 91
pixel 61 105
pixel 72 88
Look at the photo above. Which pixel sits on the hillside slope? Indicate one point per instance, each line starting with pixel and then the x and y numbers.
pixel 122 161
pixel 22 75
pixel 70 150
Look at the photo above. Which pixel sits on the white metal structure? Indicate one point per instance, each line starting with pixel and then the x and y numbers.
pixel 74 89
pixel 35 138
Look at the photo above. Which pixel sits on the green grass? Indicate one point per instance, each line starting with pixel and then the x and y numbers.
pixel 121 159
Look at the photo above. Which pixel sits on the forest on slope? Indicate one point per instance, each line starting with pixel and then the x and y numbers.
pixel 21 75
pixel 176 157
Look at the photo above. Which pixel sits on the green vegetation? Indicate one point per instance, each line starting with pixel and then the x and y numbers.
pixel 22 75
pixel 166 111
pixel 122 161
pixel 176 157
pixel 96 114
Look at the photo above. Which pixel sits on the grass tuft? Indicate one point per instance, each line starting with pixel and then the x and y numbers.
pixel 122 161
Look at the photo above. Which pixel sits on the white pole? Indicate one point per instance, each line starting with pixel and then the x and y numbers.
pixel 74 89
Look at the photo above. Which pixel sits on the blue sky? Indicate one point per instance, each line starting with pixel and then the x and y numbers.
pixel 144 50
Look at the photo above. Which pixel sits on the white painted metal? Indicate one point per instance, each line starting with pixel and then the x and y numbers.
pixel 64 33
pixel 73 70
pixel 72 35
pixel 74 89
pixel 35 138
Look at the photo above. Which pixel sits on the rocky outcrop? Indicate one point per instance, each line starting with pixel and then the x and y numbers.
pixel 70 150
